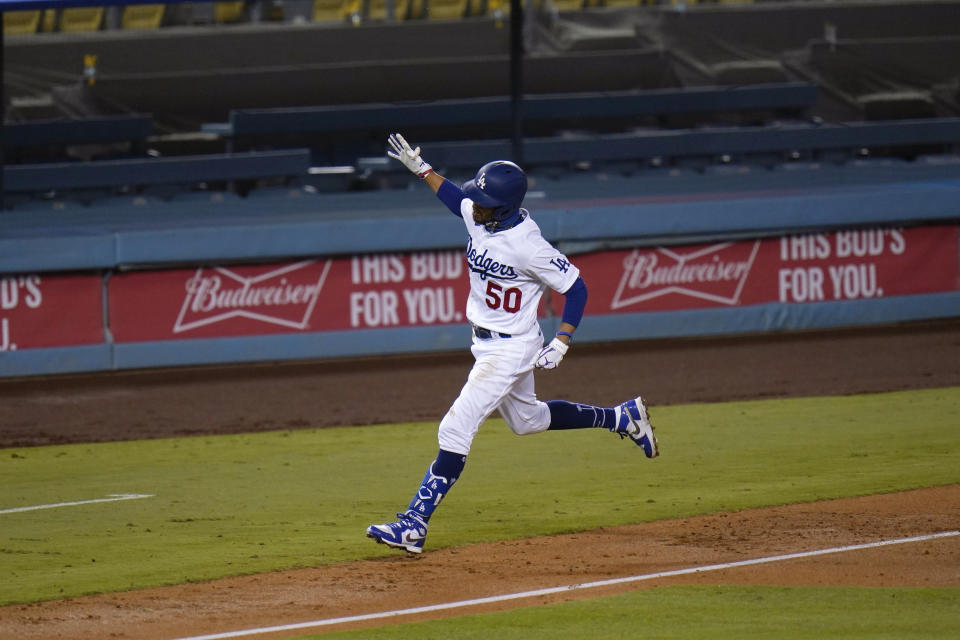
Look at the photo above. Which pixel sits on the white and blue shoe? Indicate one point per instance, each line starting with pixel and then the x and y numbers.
pixel 409 532
pixel 632 420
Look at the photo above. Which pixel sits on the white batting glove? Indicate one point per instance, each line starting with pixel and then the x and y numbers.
pixel 551 355
pixel 409 157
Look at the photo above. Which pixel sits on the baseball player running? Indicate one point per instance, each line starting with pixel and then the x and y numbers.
pixel 510 265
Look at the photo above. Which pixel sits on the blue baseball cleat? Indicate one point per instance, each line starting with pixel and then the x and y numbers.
pixel 407 533
pixel 632 420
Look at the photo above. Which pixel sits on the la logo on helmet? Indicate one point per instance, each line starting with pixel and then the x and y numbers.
pixel 482 181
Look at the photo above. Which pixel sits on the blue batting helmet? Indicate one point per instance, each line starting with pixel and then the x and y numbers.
pixel 499 185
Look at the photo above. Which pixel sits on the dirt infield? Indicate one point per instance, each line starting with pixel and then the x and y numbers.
pixel 235 399
pixel 231 399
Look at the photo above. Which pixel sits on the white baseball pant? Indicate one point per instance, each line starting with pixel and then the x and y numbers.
pixel 501 378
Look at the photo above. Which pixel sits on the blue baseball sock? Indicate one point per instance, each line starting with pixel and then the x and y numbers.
pixel 440 476
pixel 572 415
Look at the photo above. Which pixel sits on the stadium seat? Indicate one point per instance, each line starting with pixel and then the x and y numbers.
pixel 446 9
pixel 81 19
pixel 353 9
pixel 334 10
pixel 49 22
pixel 568 5
pixel 18 23
pixel 378 9
pixel 494 6
pixel 143 16
pixel 228 11
pixel 417 9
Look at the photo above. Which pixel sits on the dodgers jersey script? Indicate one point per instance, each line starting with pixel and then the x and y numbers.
pixel 509 271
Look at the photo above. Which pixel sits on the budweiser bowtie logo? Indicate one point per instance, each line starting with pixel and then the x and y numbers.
pixel 282 296
pixel 714 272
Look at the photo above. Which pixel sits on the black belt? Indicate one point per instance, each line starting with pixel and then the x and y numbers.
pixel 486 334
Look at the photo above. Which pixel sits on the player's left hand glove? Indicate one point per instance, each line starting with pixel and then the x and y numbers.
pixel 409 157
pixel 551 355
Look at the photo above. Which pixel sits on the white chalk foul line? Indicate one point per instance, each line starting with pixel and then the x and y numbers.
pixel 572 587
pixel 113 497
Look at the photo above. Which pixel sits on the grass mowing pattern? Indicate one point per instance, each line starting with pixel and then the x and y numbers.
pixel 231 505
pixel 718 613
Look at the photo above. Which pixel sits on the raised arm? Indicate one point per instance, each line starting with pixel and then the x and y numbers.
pixel 410 157
pixel 434 180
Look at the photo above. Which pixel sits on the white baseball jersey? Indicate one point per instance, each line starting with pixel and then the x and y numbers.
pixel 509 271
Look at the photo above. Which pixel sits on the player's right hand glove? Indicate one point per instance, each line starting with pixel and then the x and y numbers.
pixel 409 157
pixel 551 355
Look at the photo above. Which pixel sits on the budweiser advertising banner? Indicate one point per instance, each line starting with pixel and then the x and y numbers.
pixel 50 311
pixel 430 288
pixel 326 294
pixel 845 265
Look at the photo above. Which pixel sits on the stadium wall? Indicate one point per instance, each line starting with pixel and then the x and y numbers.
pixel 171 296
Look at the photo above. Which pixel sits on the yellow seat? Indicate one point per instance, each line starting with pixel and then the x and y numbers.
pixel 143 16
pixel 568 5
pixel 503 6
pixel 49 20
pixel 81 19
pixel 228 11
pixel 418 9
pixel 378 9
pixel 335 10
pixel 18 23
pixel 446 9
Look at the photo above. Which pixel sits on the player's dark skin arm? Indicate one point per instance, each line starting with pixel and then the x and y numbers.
pixel 434 180
pixel 481 215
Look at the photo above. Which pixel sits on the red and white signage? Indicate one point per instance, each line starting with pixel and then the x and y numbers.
pixel 50 311
pixel 284 296
pixel 430 288
pixel 327 294
pixel 843 265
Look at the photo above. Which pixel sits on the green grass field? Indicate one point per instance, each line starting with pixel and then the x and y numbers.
pixel 682 613
pixel 230 505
